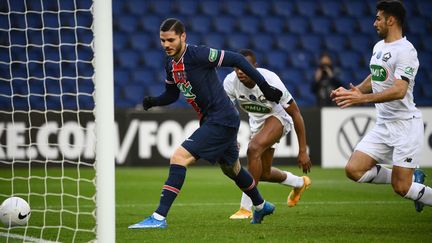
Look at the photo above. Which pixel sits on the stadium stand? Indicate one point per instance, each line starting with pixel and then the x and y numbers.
pixel 288 36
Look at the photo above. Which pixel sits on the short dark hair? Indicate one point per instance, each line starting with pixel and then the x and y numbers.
pixel 393 8
pixel 248 53
pixel 172 24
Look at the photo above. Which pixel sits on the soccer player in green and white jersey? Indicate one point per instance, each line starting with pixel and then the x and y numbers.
pixel 268 121
pixel 398 135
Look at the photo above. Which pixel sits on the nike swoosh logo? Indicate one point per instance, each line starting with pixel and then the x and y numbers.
pixel 20 216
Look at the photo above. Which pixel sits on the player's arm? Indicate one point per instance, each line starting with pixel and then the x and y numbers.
pixel 217 58
pixel 366 86
pixel 303 157
pixel 170 95
pixel 355 96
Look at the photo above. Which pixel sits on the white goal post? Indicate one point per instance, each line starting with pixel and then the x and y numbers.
pixel 57 118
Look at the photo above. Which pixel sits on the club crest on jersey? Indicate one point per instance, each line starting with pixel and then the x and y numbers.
pixel 212 55
pixel 262 99
pixel 378 56
pixel 386 56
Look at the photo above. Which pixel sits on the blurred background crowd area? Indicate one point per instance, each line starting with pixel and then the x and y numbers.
pixel 288 37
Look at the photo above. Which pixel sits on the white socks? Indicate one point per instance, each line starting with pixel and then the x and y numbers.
pixel 421 193
pixel 292 180
pixel 377 175
pixel 246 202
pixel 158 216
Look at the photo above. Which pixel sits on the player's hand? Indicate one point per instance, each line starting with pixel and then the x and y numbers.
pixel 347 98
pixel 335 92
pixel 271 93
pixel 304 162
pixel 148 102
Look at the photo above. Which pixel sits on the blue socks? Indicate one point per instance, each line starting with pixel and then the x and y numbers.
pixel 247 184
pixel 173 184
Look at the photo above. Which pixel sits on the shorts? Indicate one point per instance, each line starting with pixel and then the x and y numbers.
pixel 286 126
pixel 397 142
pixel 214 143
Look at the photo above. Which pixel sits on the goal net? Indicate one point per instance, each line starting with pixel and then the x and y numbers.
pixel 49 133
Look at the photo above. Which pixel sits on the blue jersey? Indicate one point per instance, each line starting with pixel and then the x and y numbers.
pixel 196 78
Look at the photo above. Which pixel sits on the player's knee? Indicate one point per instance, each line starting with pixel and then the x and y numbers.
pixel 254 149
pixel 231 170
pixel 352 173
pixel 400 188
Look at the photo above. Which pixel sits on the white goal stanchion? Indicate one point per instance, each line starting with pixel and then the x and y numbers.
pixel 57 118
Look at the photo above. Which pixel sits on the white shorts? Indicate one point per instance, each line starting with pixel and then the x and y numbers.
pixel 285 121
pixel 397 142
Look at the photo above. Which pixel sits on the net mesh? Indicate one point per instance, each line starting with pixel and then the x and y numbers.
pixel 46 117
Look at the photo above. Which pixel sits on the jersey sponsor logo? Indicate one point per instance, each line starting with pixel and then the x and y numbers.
pixel 409 70
pixel 255 108
pixel 386 56
pixel 378 72
pixel 212 55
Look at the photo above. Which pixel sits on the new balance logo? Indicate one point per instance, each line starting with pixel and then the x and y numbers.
pixel 408 160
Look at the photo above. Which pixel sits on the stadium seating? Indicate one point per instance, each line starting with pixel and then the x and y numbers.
pixel 260 8
pixel 283 33
pixel 331 8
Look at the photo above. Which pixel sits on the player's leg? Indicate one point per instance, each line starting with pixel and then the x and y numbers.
pixel 246 183
pixel 268 135
pixel 408 142
pixel 177 173
pixel 273 174
pixel 363 164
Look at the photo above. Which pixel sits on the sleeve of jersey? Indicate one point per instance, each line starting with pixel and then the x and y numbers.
pixel 406 65
pixel 222 58
pixel 170 95
pixel 232 59
pixel 275 81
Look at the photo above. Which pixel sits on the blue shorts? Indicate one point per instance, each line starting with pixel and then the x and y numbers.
pixel 214 143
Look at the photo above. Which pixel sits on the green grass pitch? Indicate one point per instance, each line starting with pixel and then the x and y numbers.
pixel 334 209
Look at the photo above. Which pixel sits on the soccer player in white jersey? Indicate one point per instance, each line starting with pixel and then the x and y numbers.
pixel 397 137
pixel 269 121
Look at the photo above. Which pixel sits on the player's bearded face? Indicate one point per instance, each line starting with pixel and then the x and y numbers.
pixel 172 43
pixel 380 25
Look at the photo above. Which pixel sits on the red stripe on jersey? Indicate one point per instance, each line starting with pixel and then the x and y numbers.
pixel 180 78
pixel 221 58
pixel 170 188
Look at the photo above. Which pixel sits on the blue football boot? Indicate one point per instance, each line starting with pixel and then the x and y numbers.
pixel 148 223
pixel 258 216
pixel 419 177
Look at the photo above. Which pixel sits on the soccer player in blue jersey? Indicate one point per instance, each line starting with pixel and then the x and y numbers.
pixel 191 71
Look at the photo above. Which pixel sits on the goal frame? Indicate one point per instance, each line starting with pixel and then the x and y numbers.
pixel 104 119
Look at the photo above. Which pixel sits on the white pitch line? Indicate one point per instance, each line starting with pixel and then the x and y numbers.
pixel 277 203
pixel 25 238
pixel 237 203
